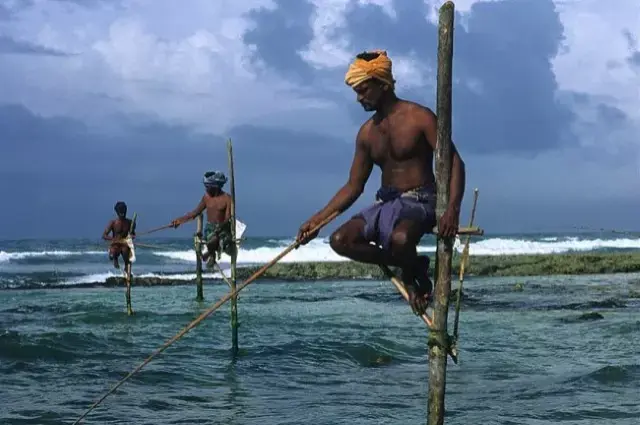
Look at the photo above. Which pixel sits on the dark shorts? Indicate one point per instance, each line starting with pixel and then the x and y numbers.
pixel 221 232
pixel 381 218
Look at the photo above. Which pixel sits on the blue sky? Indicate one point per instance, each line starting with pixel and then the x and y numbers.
pixel 133 100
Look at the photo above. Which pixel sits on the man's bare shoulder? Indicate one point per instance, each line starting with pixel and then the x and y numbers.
pixel 416 109
pixel 363 133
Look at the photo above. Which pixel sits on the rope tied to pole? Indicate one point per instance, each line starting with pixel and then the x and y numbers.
pixel 441 338
pixel 204 315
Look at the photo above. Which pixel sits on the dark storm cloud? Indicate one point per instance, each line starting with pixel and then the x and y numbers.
pixel 280 33
pixel 505 52
pixel 634 56
pixel 9 45
pixel 634 59
pixel 59 165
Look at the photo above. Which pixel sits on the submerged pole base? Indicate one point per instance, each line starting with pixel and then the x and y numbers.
pixel 127 277
pixel 400 286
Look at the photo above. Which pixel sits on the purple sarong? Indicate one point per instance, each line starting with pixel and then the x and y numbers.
pixel 418 205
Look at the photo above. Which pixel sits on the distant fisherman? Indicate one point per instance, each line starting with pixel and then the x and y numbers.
pixel 120 228
pixel 217 232
pixel 400 138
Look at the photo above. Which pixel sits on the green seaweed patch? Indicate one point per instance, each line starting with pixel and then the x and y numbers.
pixel 501 265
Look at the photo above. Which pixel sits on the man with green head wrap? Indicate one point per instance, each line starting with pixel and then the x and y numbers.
pixel 217 203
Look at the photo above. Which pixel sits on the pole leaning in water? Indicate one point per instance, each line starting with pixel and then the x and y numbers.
pixel 234 253
pixel 438 336
pixel 197 245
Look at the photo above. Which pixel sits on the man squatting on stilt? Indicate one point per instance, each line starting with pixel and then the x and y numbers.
pixel 400 138
pixel 120 230
pixel 217 232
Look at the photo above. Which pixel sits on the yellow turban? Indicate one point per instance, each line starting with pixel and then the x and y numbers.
pixel 362 70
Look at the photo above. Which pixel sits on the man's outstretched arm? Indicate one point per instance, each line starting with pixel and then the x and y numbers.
pixel 191 215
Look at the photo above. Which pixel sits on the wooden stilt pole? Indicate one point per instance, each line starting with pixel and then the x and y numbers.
pixel 234 254
pixel 438 337
pixel 197 243
pixel 128 276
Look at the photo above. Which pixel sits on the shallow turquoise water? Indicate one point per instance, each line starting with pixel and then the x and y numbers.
pixel 325 353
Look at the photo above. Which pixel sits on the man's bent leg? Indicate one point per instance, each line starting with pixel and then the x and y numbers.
pixel 114 253
pixel 126 254
pixel 349 241
pixel 212 252
pixel 404 241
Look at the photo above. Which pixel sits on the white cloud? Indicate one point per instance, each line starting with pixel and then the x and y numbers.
pixel 190 64
pixel 329 47
pixel 462 7
pixel 187 65
pixel 594 61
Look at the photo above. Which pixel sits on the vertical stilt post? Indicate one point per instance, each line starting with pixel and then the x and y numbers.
pixel 234 253
pixel 128 276
pixel 197 243
pixel 438 337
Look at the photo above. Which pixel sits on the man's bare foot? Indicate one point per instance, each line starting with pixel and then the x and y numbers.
pixel 417 299
pixel 116 264
pixel 422 276
pixel 418 285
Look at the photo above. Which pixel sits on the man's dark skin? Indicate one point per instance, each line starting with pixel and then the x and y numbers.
pixel 217 203
pixel 119 229
pixel 400 138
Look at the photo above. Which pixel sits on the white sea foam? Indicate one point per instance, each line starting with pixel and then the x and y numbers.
pixel 102 277
pixel 21 255
pixel 320 251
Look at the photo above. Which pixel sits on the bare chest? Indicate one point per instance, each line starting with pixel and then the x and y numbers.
pixel 121 227
pixel 217 204
pixel 397 143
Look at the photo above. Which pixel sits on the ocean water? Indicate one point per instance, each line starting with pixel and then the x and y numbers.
pixel 53 263
pixel 319 352
pixel 323 353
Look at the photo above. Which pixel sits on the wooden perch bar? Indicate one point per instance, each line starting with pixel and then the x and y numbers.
pixel 470 231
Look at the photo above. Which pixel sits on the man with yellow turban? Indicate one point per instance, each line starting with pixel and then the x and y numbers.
pixel 400 138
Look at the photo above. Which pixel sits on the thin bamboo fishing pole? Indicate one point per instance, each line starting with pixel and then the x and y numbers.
pixel 155 229
pixel 227 281
pixel 463 264
pixel 206 314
